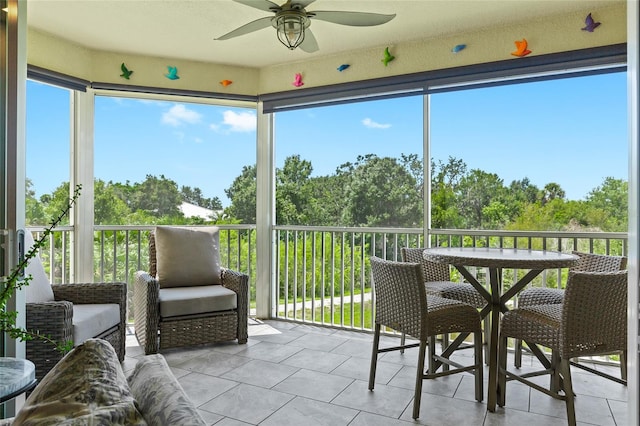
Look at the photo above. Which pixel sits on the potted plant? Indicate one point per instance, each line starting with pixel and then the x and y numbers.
pixel 16 280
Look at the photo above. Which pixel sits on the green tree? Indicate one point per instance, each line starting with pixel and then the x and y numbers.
pixel 158 196
pixel 194 196
pixel 608 205
pixel 34 209
pixel 242 194
pixel 476 192
pixel 109 208
pixel 292 191
pixel 381 192
pixel 445 178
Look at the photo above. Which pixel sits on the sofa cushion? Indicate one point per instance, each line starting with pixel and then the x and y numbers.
pixel 160 397
pixel 39 288
pixel 187 257
pixel 91 320
pixel 196 300
pixel 86 387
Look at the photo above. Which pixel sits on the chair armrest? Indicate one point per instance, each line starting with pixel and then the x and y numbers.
pixel 239 283
pixel 51 318
pixel 83 293
pixel 146 311
pixel 98 293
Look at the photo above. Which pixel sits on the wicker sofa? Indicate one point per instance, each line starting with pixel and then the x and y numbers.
pixel 190 312
pixel 88 386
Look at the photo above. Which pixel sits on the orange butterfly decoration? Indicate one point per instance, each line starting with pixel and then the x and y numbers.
pixel 521 48
pixel 225 83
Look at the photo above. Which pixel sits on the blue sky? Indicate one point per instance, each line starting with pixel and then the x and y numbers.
pixel 569 131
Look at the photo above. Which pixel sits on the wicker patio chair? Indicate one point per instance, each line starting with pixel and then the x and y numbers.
pixel 438 280
pixel 188 315
pixel 438 283
pixel 71 312
pixel 587 262
pixel 592 320
pixel 402 304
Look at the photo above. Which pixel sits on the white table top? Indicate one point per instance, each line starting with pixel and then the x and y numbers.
pixel 500 257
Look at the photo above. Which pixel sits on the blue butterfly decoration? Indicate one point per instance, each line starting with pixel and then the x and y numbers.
pixel 173 73
pixel 343 67
pixel 458 48
pixel 590 24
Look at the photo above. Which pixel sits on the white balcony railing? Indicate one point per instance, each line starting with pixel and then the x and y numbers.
pixel 322 273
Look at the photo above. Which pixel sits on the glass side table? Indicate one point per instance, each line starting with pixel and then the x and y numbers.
pixel 16 377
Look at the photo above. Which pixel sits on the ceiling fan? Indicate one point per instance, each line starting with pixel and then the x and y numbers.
pixel 292 21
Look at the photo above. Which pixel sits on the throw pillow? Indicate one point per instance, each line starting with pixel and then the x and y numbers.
pixel 39 288
pixel 187 257
pixel 160 397
pixel 86 387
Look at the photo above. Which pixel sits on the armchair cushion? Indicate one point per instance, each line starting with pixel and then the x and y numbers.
pixel 92 320
pixel 196 300
pixel 39 288
pixel 187 257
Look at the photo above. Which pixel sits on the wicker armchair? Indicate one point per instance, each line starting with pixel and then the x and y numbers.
pixel 156 331
pixel 71 312
pixel 592 320
pixel 401 303
pixel 587 262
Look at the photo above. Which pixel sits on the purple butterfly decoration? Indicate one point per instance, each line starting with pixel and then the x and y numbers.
pixel 590 24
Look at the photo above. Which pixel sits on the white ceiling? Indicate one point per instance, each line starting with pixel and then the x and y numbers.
pixel 185 29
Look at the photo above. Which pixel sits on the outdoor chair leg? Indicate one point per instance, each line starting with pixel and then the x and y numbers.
pixel 502 377
pixel 445 345
pixel 432 352
pixel 374 356
pixel 517 353
pixel 479 371
pixel 487 339
pixel 623 365
pixel 402 340
pixel 565 372
pixel 555 384
pixel 420 377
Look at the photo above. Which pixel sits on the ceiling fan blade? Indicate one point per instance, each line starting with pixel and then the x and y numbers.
pixel 356 19
pixel 266 5
pixel 309 44
pixel 256 25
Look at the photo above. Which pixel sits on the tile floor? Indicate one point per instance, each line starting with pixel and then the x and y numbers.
pixel 295 374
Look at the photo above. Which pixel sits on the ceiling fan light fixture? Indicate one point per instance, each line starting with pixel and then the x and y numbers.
pixel 290 27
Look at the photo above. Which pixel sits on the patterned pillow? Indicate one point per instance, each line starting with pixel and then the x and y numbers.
pixel 160 397
pixel 86 387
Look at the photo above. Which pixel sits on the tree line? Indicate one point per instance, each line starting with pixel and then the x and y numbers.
pixel 372 191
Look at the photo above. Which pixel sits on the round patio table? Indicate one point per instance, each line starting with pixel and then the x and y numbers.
pixel 496 259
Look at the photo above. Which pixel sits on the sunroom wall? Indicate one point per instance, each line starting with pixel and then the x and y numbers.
pixel 549 35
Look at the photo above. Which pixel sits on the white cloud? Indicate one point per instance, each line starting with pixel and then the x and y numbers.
pixel 373 125
pixel 238 122
pixel 179 114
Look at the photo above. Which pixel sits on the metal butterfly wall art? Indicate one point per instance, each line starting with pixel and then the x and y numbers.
pixel 521 48
pixel 590 24
pixel 298 80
